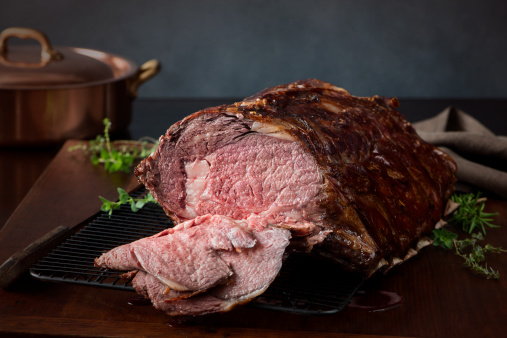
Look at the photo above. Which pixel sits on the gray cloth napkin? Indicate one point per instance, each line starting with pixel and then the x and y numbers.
pixel 480 154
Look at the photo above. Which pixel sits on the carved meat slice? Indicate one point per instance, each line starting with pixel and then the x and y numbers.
pixel 215 260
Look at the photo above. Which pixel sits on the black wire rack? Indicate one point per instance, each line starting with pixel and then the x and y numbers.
pixel 305 285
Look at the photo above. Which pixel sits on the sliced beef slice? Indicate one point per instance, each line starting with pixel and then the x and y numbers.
pixel 184 260
pixel 254 269
pixel 216 254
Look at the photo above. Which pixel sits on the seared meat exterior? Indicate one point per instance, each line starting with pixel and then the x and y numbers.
pixel 346 177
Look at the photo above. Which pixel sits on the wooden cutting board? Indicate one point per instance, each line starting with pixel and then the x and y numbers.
pixel 65 195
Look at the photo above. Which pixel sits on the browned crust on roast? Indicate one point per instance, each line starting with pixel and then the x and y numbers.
pixel 384 186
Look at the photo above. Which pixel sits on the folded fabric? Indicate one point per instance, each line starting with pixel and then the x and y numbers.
pixel 480 154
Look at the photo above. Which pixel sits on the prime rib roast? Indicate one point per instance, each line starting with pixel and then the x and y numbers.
pixel 301 167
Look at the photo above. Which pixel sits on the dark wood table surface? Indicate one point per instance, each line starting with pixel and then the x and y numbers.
pixel 40 192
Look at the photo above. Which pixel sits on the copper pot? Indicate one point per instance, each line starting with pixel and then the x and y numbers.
pixel 48 95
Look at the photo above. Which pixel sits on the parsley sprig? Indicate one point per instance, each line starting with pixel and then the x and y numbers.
pixel 444 238
pixel 116 155
pixel 470 217
pixel 124 198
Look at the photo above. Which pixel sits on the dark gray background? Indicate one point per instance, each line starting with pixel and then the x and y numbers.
pixel 226 48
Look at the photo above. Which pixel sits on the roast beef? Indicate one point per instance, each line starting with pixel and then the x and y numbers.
pixel 344 177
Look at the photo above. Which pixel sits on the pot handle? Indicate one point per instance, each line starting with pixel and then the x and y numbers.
pixel 148 70
pixel 47 52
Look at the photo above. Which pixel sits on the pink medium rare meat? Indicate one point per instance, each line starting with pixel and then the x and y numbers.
pixel 224 259
pixel 173 304
pixel 347 177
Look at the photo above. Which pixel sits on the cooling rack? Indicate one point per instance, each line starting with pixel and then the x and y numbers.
pixel 305 285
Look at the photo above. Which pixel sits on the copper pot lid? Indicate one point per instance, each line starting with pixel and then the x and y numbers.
pixel 44 67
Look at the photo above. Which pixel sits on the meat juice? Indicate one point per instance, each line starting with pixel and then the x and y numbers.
pixel 373 301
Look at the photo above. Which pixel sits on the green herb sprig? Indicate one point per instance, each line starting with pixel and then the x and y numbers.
pixel 476 256
pixel 116 155
pixel 470 214
pixel 124 198
pixel 444 238
pixel 470 217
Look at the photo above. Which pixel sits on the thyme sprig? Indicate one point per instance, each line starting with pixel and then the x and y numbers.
pixel 116 155
pixel 470 217
pixel 124 198
pixel 476 256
